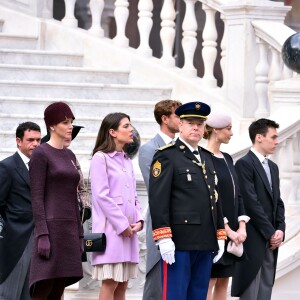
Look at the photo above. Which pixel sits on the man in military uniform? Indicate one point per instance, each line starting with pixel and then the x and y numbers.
pixel 186 213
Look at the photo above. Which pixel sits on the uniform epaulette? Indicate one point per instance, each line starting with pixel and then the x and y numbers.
pixel 165 147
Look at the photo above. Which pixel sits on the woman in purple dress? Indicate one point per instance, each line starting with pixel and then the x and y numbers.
pixel 56 257
pixel 116 209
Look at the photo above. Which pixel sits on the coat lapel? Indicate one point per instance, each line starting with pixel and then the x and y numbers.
pixel 185 150
pixel 274 183
pixel 260 170
pixel 159 142
pixel 21 168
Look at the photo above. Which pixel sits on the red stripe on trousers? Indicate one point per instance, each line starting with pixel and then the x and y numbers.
pixel 165 282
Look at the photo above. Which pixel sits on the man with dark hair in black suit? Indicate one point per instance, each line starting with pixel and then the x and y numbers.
pixel 16 211
pixel 259 185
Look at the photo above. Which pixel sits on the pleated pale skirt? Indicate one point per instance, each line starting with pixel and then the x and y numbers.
pixel 119 272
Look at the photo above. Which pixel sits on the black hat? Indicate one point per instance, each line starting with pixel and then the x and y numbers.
pixel 193 110
pixel 76 129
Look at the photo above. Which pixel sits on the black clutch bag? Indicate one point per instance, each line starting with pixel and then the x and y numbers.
pixel 94 242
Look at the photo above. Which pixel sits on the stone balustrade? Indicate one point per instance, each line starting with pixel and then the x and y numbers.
pixel 270 37
pixel 243 45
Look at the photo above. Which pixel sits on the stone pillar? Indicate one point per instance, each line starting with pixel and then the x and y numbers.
pixel 242 50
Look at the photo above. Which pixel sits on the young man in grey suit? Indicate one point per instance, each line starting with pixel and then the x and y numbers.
pixel 164 113
pixel 259 185
pixel 16 211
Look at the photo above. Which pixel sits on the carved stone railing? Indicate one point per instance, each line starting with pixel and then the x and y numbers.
pixel 243 79
pixel 270 37
pixel 244 64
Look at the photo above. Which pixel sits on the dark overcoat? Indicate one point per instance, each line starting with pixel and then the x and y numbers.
pixel 183 198
pixel 16 210
pixel 266 211
pixel 232 201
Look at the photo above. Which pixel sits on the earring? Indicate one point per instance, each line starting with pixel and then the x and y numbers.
pixel 51 128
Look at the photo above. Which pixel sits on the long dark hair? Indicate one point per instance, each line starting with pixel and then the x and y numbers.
pixel 105 141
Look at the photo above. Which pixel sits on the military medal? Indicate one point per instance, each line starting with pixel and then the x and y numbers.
pixel 216 179
pixel 203 168
pixel 216 196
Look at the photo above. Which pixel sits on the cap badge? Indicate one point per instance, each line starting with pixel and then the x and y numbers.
pixel 156 170
pixel 197 106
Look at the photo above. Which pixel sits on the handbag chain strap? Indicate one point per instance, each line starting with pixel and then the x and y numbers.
pixel 87 192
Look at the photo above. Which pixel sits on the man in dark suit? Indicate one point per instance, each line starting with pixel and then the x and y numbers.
pixel 185 209
pixel 164 113
pixel 259 185
pixel 16 211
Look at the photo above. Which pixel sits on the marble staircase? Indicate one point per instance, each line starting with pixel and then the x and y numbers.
pixel 30 79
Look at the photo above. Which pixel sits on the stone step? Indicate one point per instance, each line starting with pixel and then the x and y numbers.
pixel 11 41
pixel 61 74
pixel 89 107
pixel 1 25
pixel 85 140
pixel 83 156
pixel 83 90
pixel 41 58
pixel 145 126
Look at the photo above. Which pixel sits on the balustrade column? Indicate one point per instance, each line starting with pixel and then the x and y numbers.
pixel 145 23
pixel 293 201
pixel 276 65
pixel 223 53
pixel 96 7
pixel 283 156
pixel 69 19
pixel 121 17
pixel 209 52
pixel 47 9
pixel 189 41
pixel 167 32
pixel 286 72
pixel 261 85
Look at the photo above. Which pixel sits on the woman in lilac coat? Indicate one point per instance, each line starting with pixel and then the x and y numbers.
pixel 116 209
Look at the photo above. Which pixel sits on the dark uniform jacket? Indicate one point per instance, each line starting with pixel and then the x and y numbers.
pixel 16 210
pixel 266 211
pixel 183 198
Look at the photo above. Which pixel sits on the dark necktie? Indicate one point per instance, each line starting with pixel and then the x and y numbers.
pixel 197 154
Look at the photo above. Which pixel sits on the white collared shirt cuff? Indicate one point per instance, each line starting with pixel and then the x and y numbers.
pixel 244 218
pixel 225 221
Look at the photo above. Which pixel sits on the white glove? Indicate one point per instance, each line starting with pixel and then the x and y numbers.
pixel 167 250
pixel 221 244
